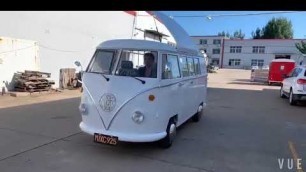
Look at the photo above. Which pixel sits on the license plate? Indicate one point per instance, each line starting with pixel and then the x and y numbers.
pixel 105 139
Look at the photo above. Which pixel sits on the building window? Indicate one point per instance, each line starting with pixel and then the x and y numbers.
pixel 259 49
pixel 216 51
pixel 257 62
pixel 217 41
pixel 215 61
pixel 203 41
pixel 235 49
pixel 234 62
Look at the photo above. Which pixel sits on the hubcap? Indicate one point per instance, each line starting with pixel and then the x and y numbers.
pixel 172 131
pixel 200 109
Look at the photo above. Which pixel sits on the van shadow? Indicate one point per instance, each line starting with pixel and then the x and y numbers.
pixel 153 145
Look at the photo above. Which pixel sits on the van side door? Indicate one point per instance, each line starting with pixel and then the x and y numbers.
pixel 191 88
pixel 171 88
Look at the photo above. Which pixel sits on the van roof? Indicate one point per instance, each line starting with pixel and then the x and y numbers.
pixel 135 44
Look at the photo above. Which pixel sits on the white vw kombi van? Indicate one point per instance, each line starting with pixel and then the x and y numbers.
pixel 141 91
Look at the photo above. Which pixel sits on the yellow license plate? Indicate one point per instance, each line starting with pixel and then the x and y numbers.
pixel 105 139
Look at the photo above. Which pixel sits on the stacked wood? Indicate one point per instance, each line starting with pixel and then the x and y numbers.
pixel 33 81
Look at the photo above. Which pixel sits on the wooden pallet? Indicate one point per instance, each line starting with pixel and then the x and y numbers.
pixel 33 81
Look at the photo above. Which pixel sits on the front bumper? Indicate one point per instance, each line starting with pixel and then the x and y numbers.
pixel 123 136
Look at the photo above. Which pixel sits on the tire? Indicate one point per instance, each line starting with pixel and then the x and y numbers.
pixel 196 117
pixel 281 92
pixel 171 133
pixel 292 100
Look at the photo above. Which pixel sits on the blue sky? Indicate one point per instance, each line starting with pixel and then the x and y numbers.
pixel 203 26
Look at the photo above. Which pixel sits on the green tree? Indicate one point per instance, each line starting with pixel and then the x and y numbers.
pixel 227 34
pixel 257 34
pixel 301 47
pixel 276 28
pixel 238 34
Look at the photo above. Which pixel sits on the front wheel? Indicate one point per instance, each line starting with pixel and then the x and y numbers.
pixel 292 99
pixel 171 133
pixel 282 95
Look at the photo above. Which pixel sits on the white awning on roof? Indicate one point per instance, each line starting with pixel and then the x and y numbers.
pixel 183 40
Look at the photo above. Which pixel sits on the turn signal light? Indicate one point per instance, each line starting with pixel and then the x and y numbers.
pixel 151 97
pixel 301 81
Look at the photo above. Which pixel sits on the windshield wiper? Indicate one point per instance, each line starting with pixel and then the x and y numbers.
pixel 142 81
pixel 103 74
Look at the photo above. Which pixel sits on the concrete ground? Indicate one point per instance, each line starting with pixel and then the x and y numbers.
pixel 26 98
pixel 246 127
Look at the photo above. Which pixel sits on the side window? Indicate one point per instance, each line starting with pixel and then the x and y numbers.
pixel 184 66
pixel 190 66
pixel 170 67
pixel 291 73
pixel 298 71
pixel 202 66
pixel 197 66
pixel 294 72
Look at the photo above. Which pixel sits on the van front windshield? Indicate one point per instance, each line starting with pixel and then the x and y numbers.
pixel 138 63
pixel 102 62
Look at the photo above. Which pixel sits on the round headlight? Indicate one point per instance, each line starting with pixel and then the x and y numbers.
pixel 138 117
pixel 83 108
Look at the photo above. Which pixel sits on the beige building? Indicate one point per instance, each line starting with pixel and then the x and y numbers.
pixel 245 53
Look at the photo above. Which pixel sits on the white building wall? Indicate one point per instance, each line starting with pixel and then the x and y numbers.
pixel 272 48
pixel 16 55
pixel 64 37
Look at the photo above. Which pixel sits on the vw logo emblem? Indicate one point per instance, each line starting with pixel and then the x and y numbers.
pixel 108 102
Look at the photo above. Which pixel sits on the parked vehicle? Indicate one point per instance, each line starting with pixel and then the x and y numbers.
pixel 294 85
pixel 255 67
pixel 211 68
pixel 278 68
pixel 123 100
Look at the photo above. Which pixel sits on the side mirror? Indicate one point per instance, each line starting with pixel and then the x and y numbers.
pixel 77 63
